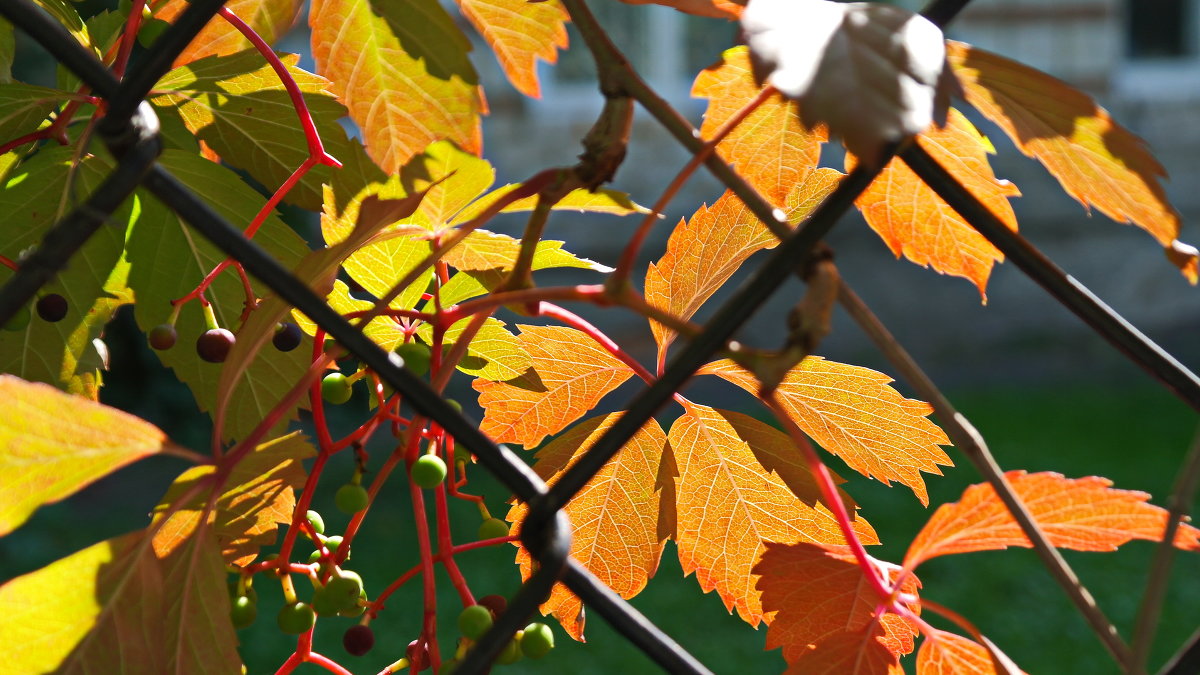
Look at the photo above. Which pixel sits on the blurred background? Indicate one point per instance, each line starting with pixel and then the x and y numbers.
pixel 1045 392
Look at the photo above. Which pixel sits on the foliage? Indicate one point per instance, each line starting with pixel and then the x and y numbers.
pixel 752 508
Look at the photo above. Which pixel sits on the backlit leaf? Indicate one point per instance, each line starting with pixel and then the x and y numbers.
pixel 1083 514
pixel 383 330
pixel 614 517
pixel 818 594
pixel 720 9
pixel 853 413
pixel 849 652
pixel 484 250
pixel 24 106
pixel 729 505
pixel 401 68
pixel 944 653
pixel 494 353
pixel 769 148
pixel 569 375
pixel 52 444
pixel 271 19
pixel 912 220
pixel 520 33
pixel 8 51
pixel 602 200
pixel 1097 161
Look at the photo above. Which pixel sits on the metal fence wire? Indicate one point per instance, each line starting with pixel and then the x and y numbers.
pixel 130 130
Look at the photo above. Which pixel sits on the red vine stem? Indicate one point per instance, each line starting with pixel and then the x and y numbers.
pixel 446 544
pixel 8 262
pixel 129 37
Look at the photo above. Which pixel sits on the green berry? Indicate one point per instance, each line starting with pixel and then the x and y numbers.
pixel 334 543
pixel 351 498
pixel 474 621
pixel 317 522
pixel 243 611
pixel 314 556
pixel 510 654
pixel 493 528
pixel 234 593
pixel 537 640
pixel 336 389
pixel 416 357
pixel 428 471
pixel 357 608
pixel 358 639
pixel 454 404
pixel 344 588
pixel 19 320
pixel 296 618
pixel 461 454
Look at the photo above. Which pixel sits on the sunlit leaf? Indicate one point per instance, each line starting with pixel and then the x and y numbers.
pixel 729 505
pixel 520 33
pixel 494 353
pixel 271 19
pixel 602 200
pixel 853 413
pixel 24 106
pixel 769 148
pixel 913 221
pixel 1084 514
pixel 1097 161
pixel 69 18
pixel 944 653
pixel 8 50
pixel 569 375
pixel 406 82
pixel 483 250
pixel 614 518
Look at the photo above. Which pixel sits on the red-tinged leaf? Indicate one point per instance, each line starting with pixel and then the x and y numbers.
pixel 1097 161
pixel 52 444
pixel 853 413
pixel 913 221
pixel 769 148
pixel 258 497
pixel 116 607
pixel 945 653
pixel 569 376
pixel 857 652
pixel 520 32
pixel 269 18
pixel 729 505
pixel 818 592
pixel 704 251
pixel 1084 514
pixel 406 82
pixel 614 517
pixel 720 9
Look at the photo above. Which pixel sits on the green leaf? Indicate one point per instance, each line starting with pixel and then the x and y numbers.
pixel 484 250
pixel 77 615
pixel 401 68
pixel 603 200
pixel 23 107
pixel 452 177
pixel 167 261
pixel 66 15
pixel 52 444
pixel 383 330
pixel 8 51
pixel 35 195
pixel 494 353
pixel 237 105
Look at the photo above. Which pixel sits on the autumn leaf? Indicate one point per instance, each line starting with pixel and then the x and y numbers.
pixel 614 517
pixel 770 148
pixel 914 221
pixel 1083 514
pixel 1097 161
pixel 853 413
pixel 52 444
pixel 257 498
pixel 520 33
pixel 728 504
pixel 719 9
pixel 484 250
pixel 406 83
pixel 271 19
pixel 818 593
pixel 945 653
pixel 704 251
pixel 569 375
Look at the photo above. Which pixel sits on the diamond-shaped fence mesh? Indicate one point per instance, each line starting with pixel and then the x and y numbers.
pixel 130 130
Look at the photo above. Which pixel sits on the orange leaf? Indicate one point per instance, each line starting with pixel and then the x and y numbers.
pixel 720 9
pixel 406 83
pixel 818 592
pixel 615 516
pixel 702 253
pixel 851 412
pixel 520 33
pixel 729 505
pixel 1084 514
pixel 945 653
pixel 914 221
pixel 770 148
pixel 857 652
pixel 570 374
pixel 269 18
pixel 1097 161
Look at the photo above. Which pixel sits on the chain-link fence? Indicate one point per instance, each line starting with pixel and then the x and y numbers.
pixel 130 130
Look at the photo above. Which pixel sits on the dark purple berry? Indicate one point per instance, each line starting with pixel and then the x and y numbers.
pixel 287 337
pixel 358 639
pixel 214 345
pixel 496 603
pixel 52 307
pixel 163 336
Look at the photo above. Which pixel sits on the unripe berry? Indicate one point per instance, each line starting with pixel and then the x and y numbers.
pixel 343 589
pixel 52 307
pixel 493 528
pixel 454 404
pixel 163 336
pixel 510 654
pixel 416 357
pixel 474 621
pixel 358 639
pixel 214 345
pixel 336 389
pixel 317 522
pixel 243 611
pixel 351 498
pixel 19 320
pixel 296 618
pixel 287 337
pixel 537 640
pixel 428 471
